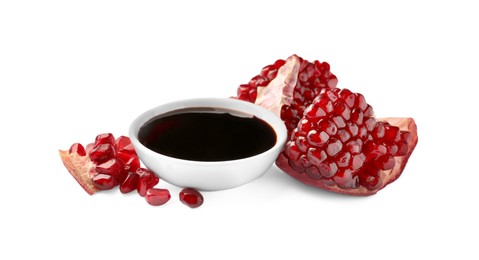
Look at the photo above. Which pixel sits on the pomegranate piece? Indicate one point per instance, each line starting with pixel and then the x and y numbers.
pixel 335 143
pixel 148 180
pixel 104 163
pixel 191 197
pixel 157 197
pixel 349 161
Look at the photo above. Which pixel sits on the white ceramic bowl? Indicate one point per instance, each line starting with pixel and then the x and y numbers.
pixel 209 176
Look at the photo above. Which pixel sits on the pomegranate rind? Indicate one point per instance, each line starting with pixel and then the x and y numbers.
pixel 280 90
pixel 387 177
pixel 81 168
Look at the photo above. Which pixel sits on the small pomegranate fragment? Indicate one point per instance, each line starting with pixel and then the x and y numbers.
pixel 148 180
pixel 191 197
pixel 157 197
pixel 104 163
pixel 130 183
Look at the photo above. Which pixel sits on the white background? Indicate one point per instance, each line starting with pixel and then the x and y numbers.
pixel 70 70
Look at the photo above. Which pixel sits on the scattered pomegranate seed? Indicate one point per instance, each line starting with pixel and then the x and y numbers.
pixel 191 197
pixel 157 197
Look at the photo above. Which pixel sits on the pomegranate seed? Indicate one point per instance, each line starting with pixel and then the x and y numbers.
pixel 77 148
pixel 130 183
pixel 378 132
pixel 157 197
pixel 317 138
pixel 191 198
pixel 343 159
pixel 342 110
pixel 369 178
pixel 302 143
pixel 348 97
pixel 327 169
pixel 343 135
pixel 328 127
pixel 111 167
pixel 316 156
pixel 130 161
pixel 385 162
pixel 345 179
pixel 361 102
pixel 148 180
pixel 402 148
pixel 391 133
pixel 314 173
pixel 293 151
pixel 357 116
pixel 105 139
pixel 334 147
pixel 101 153
pixel 124 145
pixel 104 181
pixel 355 146
pixel 358 161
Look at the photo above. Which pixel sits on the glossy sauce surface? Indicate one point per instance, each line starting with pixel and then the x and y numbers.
pixel 201 135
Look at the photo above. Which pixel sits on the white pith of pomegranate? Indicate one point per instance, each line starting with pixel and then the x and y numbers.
pixel 335 143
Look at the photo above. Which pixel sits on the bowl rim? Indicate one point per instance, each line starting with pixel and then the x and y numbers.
pixel 274 121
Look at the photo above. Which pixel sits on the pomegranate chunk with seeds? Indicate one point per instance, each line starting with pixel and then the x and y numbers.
pixel 191 197
pixel 103 165
pixel 352 163
pixel 335 142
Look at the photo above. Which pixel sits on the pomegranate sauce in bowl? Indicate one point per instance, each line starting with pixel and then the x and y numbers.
pixel 208 143
pixel 203 134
